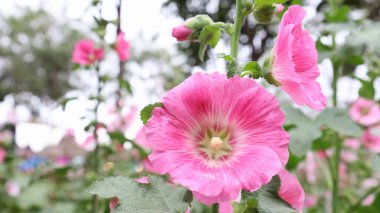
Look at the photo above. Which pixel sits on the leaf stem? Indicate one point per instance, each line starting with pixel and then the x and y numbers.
pixel 237 28
pixel 214 208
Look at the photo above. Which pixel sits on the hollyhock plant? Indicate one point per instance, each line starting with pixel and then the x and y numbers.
pixel 216 136
pixel 85 53
pixel 291 190
pixel 371 138
pixel 365 112
pixel 122 47
pixel 293 65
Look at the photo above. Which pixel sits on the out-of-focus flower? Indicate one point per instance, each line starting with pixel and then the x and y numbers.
pixel 365 112
pixel 294 63
pixel 352 143
pixel 3 153
pixel 113 202
pixel 218 136
pixel 12 188
pixel 310 201
pixel 85 53
pixel 62 161
pixel 279 8
pixel 371 138
pixel 122 47
pixel 30 164
pixel 291 190
pixel 121 121
pixel 368 184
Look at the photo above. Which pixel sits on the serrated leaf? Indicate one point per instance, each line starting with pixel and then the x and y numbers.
pixel 157 196
pixel 338 120
pixel 146 113
pixel 269 201
pixel 233 68
pixel 209 35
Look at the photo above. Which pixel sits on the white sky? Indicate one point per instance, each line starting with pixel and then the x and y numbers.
pixel 140 19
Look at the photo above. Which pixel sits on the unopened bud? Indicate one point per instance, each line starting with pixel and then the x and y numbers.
pixel 192 27
pixel 264 14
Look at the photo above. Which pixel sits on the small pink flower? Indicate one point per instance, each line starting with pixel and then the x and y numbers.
pixel 3 153
pixel 310 201
pixel 216 136
pixel 143 180
pixel 12 188
pixel 352 143
pixel 348 156
pixel 279 8
pixel 85 53
pixel 122 47
pixel 113 202
pixel 368 184
pixel 365 112
pixel 295 67
pixel 181 32
pixel 371 138
pixel 291 190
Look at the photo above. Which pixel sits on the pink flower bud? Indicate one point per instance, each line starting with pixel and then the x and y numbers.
pixel 181 32
pixel 279 8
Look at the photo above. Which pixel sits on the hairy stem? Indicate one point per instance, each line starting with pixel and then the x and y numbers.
pixel 239 17
pixel 336 160
pixel 214 208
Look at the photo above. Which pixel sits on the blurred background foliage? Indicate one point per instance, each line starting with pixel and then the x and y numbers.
pixel 35 54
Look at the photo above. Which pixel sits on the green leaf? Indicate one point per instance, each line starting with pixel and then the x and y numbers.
pixel 254 69
pixel 63 101
pixel 338 120
pixel 209 35
pixel 126 85
pixel 367 90
pixel 339 14
pixel 269 201
pixel 157 196
pixel 35 196
pixel 146 113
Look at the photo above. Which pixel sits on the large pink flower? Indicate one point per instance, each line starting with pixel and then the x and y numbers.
pixel 371 138
pixel 295 67
pixel 365 112
pixel 291 190
pixel 85 53
pixel 217 136
pixel 122 47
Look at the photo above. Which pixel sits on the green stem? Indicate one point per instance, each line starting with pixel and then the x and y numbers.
pixel 336 160
pixel 359 203
pixel 214 208
pixel 237 28
pixel 96 151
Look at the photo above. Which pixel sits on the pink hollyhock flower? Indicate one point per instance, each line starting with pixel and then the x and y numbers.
pixel 122 47
pixel 85 53
pixel 3 153
pixel 217 136
pixel 295 67
pixel 181 32
pixel 371 138
pixel 291 190
pixel 365 112
pixel 348 156
pixel 225 207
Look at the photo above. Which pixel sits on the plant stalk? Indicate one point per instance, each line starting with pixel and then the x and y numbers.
pixel 214 208
pixel 239 18
pixel 336 160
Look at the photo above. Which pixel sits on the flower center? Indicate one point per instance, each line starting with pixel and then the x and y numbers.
pixel 364 111
pixel 215 144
